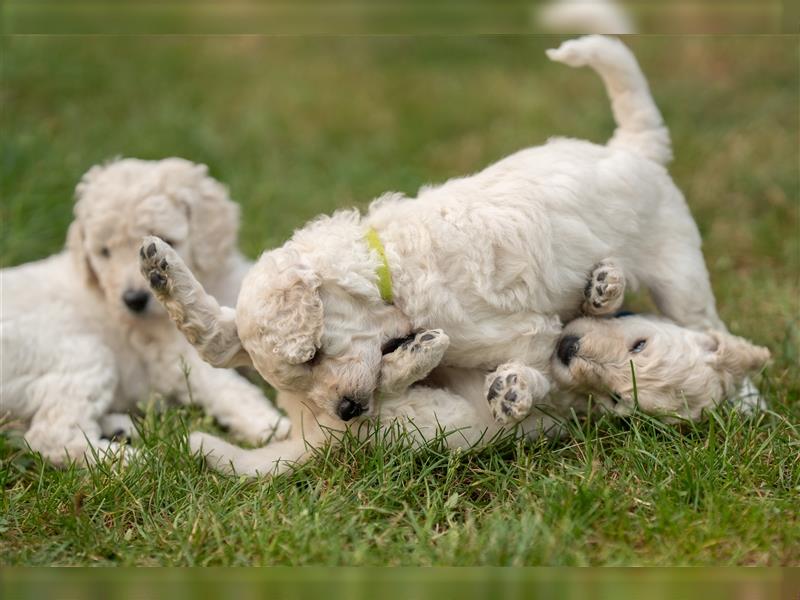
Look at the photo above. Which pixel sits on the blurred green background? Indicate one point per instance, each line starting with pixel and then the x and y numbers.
pixel 296 126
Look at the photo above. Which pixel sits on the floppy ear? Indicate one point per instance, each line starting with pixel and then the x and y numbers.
pixel 736 355
pixel 295 319
pixel 77 248
pixel 75 235
pixel 213 222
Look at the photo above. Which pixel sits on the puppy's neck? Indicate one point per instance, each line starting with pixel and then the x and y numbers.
pixel 336 249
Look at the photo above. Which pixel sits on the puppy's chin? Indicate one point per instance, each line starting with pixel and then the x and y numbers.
pixel 561 373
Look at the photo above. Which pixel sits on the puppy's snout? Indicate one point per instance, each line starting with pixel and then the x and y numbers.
pixel 349 409
pixel 136 300
pixel 567 348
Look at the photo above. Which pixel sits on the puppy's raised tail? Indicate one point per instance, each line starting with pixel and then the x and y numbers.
pixel 640 127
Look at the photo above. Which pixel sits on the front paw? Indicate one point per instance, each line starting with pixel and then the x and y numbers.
pixel 430 343
pixel 413 359
pixel 156 260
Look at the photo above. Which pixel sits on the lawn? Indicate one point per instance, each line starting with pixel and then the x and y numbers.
pixel 300 125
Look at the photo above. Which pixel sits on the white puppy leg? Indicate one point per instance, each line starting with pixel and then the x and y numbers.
pixel 272 459
pixel 425 413
pixel 604 291
pixel 63 436
pixel 208 327
pixel 413 360
pixel 513 390
pixel 235 403
pixel 72 389
pixel 679 283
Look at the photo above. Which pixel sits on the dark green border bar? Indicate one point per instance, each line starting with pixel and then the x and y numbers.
pixel 404 583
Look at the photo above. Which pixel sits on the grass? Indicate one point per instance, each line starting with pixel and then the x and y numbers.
pixel 298 126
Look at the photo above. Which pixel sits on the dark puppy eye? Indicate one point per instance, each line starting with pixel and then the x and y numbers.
pixel 105 252
pixel 638 346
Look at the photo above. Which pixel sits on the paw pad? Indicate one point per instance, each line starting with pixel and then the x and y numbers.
pixel 509 397
pixel 604 291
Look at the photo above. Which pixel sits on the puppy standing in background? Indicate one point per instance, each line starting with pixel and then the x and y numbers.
pixel 82 337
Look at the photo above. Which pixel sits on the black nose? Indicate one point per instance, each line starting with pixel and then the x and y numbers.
pixel 136 300
pixel 348 409
pixel 567 348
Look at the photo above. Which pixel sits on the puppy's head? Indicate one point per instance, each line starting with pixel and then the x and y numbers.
pixel 678 372
pixel 119 203
pixel 313 336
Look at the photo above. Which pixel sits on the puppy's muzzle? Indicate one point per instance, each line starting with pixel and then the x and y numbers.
pixel 349 409
pixel 136 300
pixel 567 349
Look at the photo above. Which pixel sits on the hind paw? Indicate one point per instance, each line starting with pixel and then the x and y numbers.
pixel 604 291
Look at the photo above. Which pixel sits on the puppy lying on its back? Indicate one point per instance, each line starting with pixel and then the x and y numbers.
pixel 81 334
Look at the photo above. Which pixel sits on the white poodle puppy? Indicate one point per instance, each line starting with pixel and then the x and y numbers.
pixel 650 364
pixel 621 364
pixel 81 334
pixel 498 260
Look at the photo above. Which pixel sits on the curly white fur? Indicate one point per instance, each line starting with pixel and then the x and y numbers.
pixel 498 260
pixel 73 350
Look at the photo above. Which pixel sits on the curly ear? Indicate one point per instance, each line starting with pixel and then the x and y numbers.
pixel 295 317
pixel 77 248
pixel 736 355
pixel 213 222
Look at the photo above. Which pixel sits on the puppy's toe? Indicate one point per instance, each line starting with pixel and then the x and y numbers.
pixel 156 259
pixel 604 291
pixel 509 396
pixel 431 339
